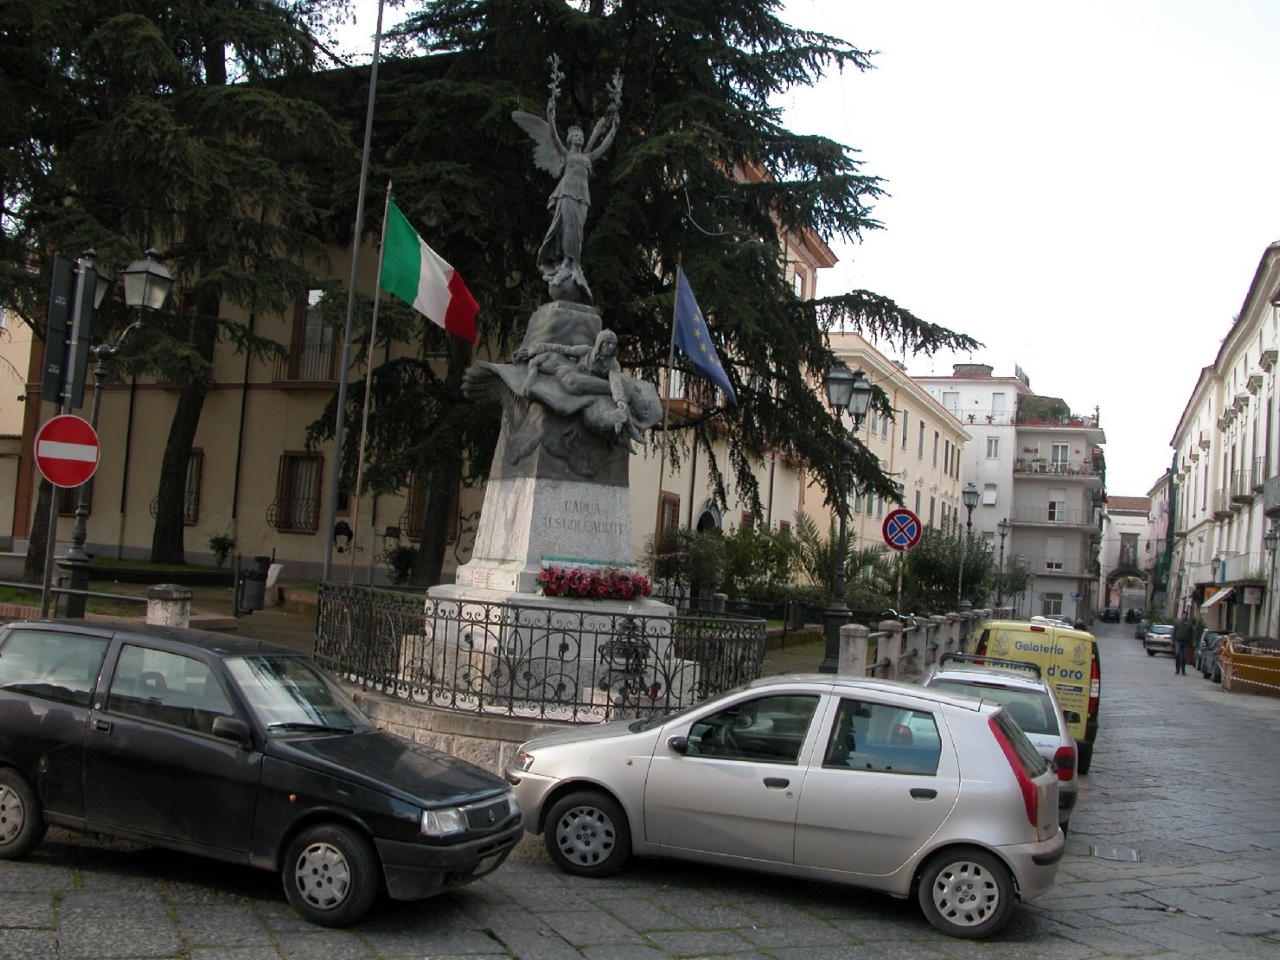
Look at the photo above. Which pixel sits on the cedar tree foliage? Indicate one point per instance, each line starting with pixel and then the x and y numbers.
pixel 128 124
pixel 701 80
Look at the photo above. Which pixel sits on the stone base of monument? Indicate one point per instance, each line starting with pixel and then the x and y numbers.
pixel 547 521
pixel 550 657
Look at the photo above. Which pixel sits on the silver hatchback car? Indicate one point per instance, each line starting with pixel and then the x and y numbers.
pixel 872 783
pixel 1018 687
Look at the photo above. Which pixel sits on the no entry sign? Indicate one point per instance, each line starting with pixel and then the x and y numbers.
pixel 902 529
pixel 67 451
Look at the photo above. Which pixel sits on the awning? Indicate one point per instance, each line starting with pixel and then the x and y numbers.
pixel 1220 595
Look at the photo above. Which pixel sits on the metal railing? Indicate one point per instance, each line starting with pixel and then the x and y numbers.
pixel 547 660
pixel 1056 468
pixel 1053 515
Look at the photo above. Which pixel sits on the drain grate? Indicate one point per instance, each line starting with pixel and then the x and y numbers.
pixel 1114 853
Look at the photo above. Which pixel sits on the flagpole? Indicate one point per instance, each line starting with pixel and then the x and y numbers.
pixel 335 473
pixel 368 385
pixel 666 407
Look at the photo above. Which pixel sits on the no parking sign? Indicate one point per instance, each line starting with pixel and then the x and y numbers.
pixel 902 529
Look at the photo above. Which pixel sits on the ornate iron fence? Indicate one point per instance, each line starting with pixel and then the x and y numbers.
pixel 546 660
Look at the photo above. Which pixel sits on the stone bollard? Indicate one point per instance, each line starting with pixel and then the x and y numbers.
pixel 169 605
pixel 890 648
pixel 852 660
pixel 938 634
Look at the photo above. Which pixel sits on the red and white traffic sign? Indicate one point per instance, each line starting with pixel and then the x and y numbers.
pixel 902 529
pixel 67 451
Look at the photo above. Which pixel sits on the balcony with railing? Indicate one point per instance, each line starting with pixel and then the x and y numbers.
pixel 1034 466
pixel 1259 474
pixel 990 418
pixel 1058 566
pixel 1053 515
pixel 1221 504
pixel 307 363
pixel 1242 487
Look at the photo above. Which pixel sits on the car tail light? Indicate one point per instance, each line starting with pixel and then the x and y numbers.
pixel 1065 761
pixel 1095 687
pixel 1030 797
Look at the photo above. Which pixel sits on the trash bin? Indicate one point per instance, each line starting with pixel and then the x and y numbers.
pixel 796 611
pixel 253 584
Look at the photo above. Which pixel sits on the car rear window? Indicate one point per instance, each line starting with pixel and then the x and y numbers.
pixel 1032 763
pixel 1033 709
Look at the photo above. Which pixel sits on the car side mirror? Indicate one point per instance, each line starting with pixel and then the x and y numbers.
pixel 679 744
pixel 232 728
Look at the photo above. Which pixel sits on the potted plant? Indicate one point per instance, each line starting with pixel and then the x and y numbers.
pixel 221 544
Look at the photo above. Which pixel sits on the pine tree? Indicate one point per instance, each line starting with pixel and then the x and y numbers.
pixel 702 173
pixel 142 124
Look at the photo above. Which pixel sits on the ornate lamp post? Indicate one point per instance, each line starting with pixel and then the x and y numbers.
pixel 969 495
pixel 1004 526
pixel 146 286
pixel 849 391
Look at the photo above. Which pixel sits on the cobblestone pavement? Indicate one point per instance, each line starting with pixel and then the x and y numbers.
pixel 1186 777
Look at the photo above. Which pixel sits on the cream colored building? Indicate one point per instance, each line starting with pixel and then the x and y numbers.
pixel 1225 488
pixel 15 360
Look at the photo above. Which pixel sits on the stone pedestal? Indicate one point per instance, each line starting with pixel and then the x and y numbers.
pixel 546 523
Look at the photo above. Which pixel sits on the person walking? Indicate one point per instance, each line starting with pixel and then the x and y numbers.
pixel 1182 636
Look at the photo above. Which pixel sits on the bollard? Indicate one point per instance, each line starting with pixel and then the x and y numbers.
pixel 169 605
pixel 852 660
pixel 890 648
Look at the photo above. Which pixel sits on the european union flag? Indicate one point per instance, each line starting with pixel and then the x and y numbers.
pixel 694 340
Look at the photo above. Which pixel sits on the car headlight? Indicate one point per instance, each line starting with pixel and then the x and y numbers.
pixel 514 804
pixel 523 761
pixel 443 822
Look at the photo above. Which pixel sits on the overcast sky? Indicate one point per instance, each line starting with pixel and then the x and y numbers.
pixel 1085 187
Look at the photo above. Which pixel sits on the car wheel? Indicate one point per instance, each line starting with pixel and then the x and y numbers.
pixel 1151 653
pixel 330 875
pixel 1217 675
pixel 966 893
pixel 1084 757
pixel 587 835
pixel 22 825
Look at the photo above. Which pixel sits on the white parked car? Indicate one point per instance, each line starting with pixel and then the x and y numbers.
pixel 1017 685
pixel 877 784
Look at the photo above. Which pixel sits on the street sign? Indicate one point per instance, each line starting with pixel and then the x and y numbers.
pixel 902 529
pixel 67 451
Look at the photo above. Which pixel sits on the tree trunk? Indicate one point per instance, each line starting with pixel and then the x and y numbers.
pixel 38 544
pixel 437 512
pixel 167 538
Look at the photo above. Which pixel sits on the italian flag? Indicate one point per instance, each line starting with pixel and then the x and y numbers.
pixel 413 272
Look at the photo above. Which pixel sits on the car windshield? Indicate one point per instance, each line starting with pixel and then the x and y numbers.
pixel 1160 628
pixel 291 694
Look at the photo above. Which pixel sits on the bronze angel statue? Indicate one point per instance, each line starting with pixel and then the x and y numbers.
pixel 559 257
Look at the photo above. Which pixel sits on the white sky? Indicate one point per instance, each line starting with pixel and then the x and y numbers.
pixel 1085 187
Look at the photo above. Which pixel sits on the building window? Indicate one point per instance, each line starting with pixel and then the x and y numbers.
pixel 1060 454
pixel 936 439
pixel 917 509
pixel 988 494
pixel 784 528
pixel 1058 506
pixel 190 490
pixel 920 445
pixel 1051 605
pixel 906 426
pixel 414 519
pixel 669 513
pixel 879 507
pixel 748 520
pixel 993 448
pixel 311 353
pixel 884 428
pixel 933 505
pixel 296 508
pixel 1053 550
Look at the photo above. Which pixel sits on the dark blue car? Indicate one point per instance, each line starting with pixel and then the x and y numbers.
pixel 239 750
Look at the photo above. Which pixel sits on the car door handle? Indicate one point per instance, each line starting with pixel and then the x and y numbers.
pixel 776 783
pixel 102 726
pixel 923 793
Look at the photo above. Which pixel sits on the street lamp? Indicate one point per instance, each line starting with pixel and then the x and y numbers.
pixel 969 495
pixel 146 286
pixel 1004 526
pixel 849 391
